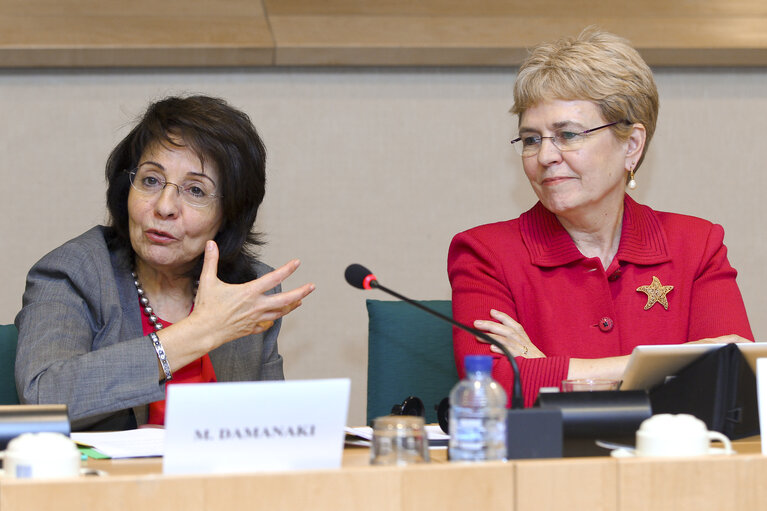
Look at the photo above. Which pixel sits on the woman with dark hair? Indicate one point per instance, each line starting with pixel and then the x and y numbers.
pixel 170 290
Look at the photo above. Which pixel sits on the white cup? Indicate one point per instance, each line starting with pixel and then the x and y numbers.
pixel 41 456
pixel 678 435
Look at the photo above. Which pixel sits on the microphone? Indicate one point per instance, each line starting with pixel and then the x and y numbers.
pixel 362 278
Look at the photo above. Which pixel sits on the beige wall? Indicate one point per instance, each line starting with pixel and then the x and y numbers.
pixel 374 166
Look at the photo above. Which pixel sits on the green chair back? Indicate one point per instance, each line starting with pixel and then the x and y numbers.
pixel 410 353
pixel 8 338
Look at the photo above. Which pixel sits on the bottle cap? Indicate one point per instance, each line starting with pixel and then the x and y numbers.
pixel 478 363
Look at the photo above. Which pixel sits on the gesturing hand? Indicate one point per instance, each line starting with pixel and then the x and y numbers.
pixel 242 309
pixel 509 333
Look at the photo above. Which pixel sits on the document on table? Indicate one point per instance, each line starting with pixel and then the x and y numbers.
pixel 133 443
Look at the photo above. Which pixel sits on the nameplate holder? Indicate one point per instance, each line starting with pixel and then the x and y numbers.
pixel 255 426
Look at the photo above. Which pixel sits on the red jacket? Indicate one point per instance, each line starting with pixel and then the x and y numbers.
pixel 570 306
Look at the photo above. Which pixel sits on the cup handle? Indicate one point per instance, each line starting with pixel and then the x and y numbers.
pixel 715 436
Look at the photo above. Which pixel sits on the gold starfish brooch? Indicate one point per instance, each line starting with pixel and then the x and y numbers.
pixel 656 293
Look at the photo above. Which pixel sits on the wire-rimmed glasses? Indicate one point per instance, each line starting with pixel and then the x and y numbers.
pixel 198 193
pixel 563 139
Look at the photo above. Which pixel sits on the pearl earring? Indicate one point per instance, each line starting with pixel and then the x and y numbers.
pixel 632 182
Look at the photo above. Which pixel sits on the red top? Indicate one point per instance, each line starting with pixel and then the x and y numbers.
pixel 199 371
pixel 570 306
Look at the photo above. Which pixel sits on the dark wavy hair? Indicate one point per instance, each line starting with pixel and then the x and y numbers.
pixel 218 134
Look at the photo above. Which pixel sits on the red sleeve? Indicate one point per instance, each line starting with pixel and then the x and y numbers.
pixel 717 306
pixel 480 282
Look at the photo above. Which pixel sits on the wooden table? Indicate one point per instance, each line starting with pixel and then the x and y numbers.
pixel 603 483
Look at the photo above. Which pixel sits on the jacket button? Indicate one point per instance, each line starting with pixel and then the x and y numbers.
pixel 605 324
pixel 614 275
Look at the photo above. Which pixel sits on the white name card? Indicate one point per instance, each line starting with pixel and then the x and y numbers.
pixel 255 426
pixel 761 393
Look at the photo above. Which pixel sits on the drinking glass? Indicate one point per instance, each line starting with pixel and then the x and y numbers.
pixel 399 440
pixel 589 385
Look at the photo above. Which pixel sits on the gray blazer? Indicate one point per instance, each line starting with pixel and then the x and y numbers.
pixel 81 342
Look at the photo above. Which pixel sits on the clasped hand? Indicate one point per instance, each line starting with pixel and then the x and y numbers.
pixel 509 333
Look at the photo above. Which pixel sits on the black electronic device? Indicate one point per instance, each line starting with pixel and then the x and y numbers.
pixel 719 388
pixel 610 416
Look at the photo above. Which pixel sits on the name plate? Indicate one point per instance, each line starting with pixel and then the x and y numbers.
pixel 255 426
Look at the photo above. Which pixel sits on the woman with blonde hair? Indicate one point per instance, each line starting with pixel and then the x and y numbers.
pixel 587 274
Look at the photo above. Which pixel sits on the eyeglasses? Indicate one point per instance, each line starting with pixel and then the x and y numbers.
pixel 564 140
pixel 198 193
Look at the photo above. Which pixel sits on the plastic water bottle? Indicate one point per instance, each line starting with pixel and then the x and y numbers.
pixel 477 414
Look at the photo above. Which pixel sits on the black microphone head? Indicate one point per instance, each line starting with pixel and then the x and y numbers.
pixel 359 276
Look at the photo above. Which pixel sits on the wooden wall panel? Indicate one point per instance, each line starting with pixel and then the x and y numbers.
pixel 49 33
pixel 78 33
pixel 498 32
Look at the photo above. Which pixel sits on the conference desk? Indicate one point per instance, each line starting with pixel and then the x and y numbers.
pixel 601 483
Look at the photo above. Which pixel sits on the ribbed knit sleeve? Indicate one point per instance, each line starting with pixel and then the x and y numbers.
pixel 479 281
pixel 717 305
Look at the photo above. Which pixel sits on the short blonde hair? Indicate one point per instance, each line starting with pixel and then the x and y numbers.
pixel 596 66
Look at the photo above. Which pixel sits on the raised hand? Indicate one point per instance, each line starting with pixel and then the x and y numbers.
pixel 242 309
